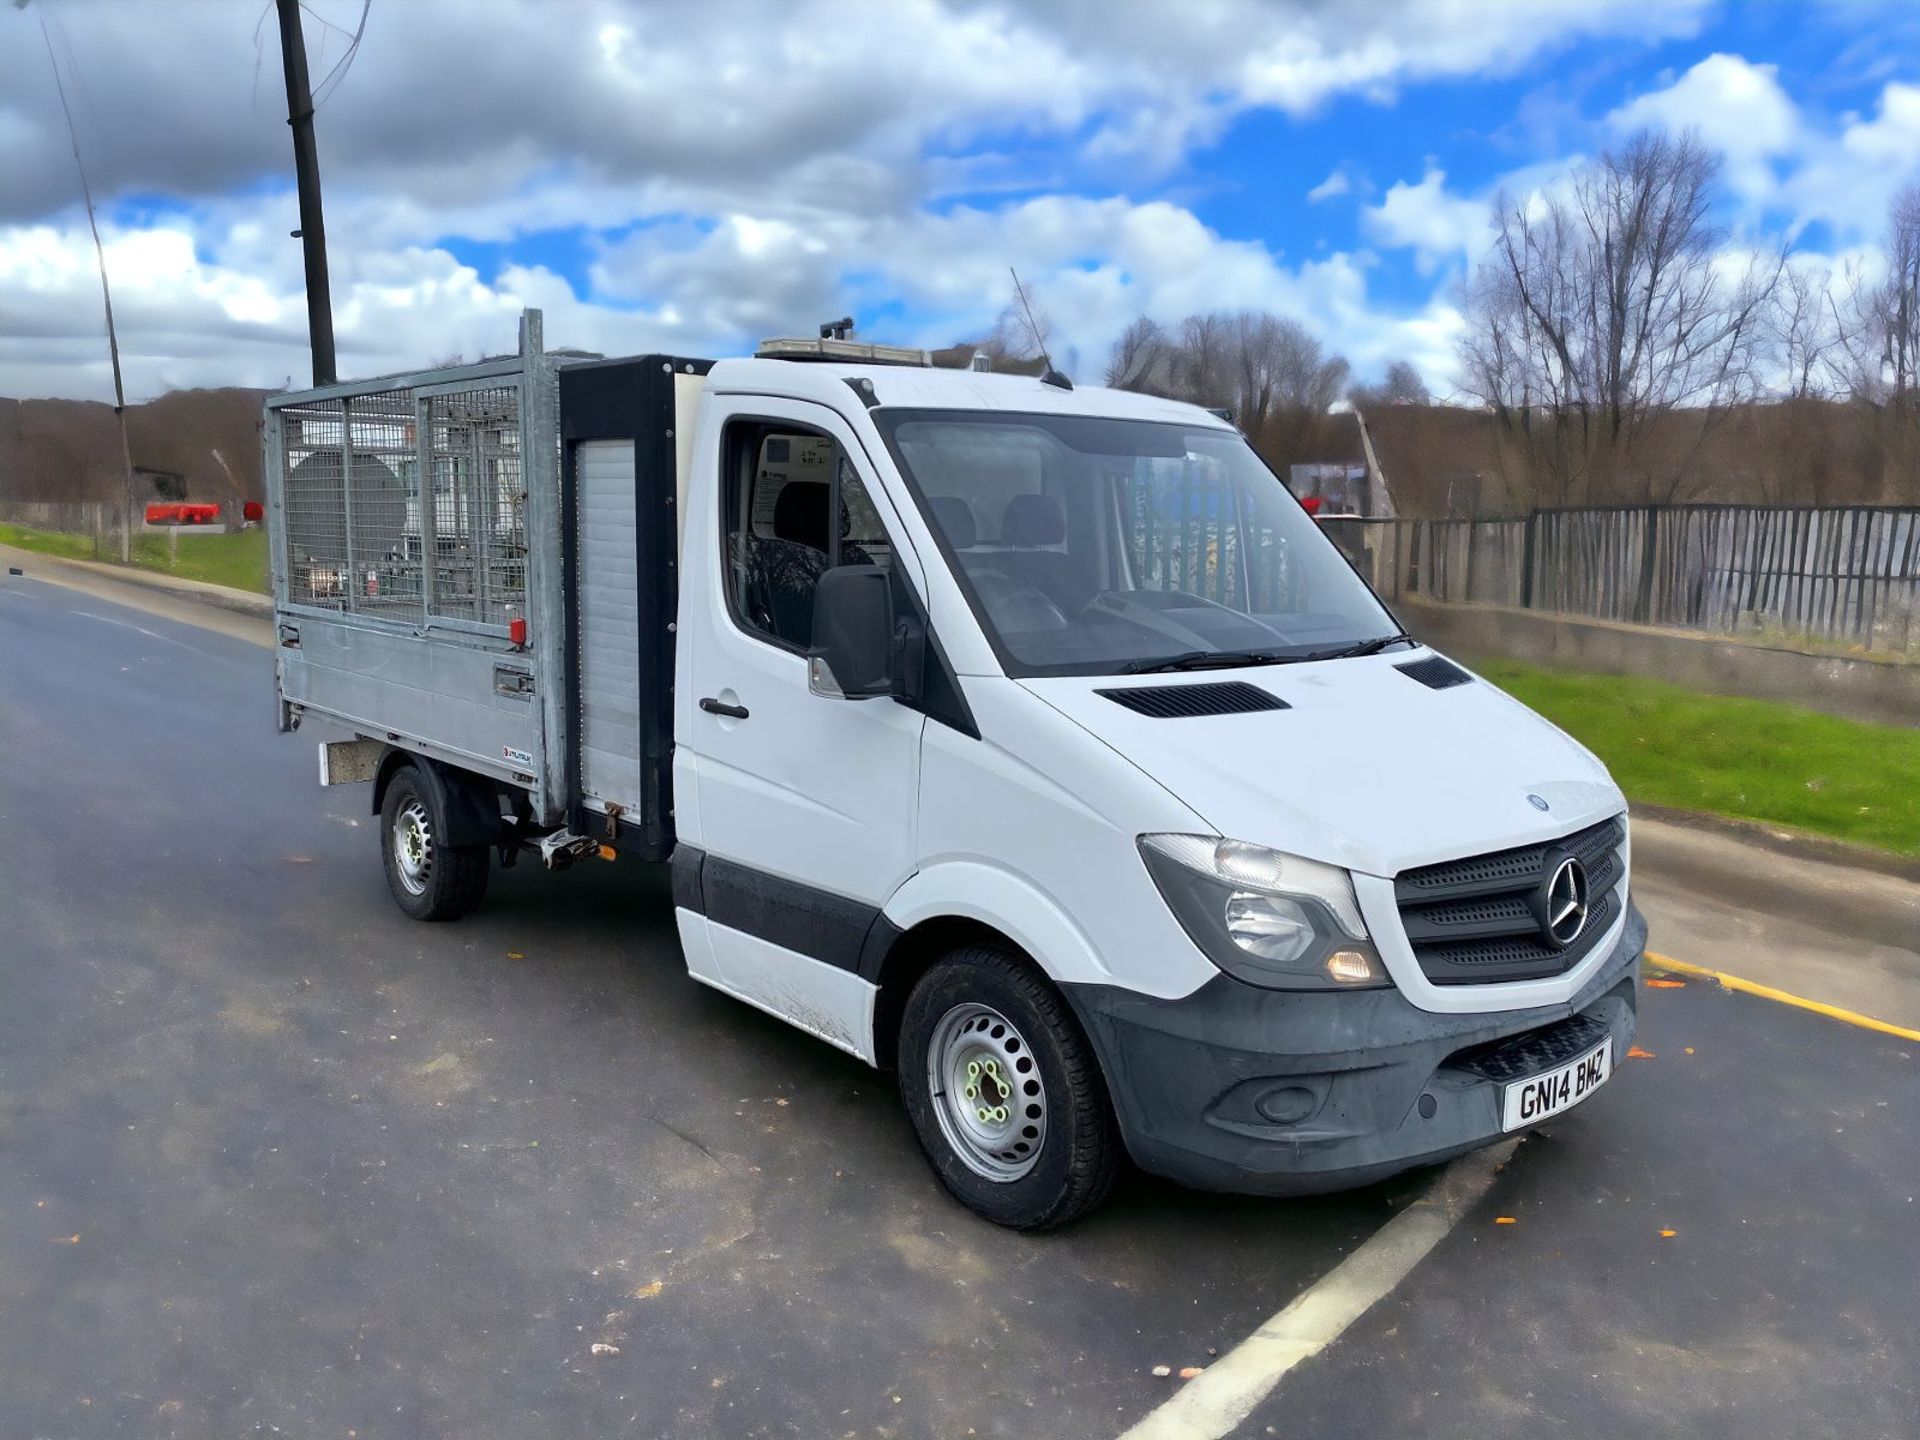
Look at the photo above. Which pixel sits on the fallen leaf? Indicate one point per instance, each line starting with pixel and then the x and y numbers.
pixel 515 955
pixel 779 1102
pixel 648 1291
pixel 1668 1234
pixel 602 1348
pixel 1636 1053
pixel 1667 984
pixel 1505 1220
pixel 1190 1371
pixel 1689 1049
pixel 1163 1370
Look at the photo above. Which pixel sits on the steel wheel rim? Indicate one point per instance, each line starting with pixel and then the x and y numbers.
pixel 998 1129
pixel 413 847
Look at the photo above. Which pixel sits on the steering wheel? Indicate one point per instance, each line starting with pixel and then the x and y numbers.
pixel 1016 605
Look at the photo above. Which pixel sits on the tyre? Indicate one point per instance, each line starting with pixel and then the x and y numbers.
pixel 1004 1092
pixel 430 880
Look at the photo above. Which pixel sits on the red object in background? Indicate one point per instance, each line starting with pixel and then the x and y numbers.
pixel 162 512
pixel 254 511
pixel 517 632
pixel 1312 503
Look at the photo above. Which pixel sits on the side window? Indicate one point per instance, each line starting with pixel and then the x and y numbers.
pixel 794 507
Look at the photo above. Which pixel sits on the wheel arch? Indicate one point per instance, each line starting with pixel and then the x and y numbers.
pixel 468 804
pixel 965 902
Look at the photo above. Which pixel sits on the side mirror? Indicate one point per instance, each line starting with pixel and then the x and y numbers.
pixel 852 653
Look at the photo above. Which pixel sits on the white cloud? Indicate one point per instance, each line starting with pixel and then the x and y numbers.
pixel 1373 48
pixel 1438 226
pixel 1785 160
pixel 738 168
pixel 195 312
pixel 182 98
pixel 1335 184
pixel 1849 179
pixel 1737 107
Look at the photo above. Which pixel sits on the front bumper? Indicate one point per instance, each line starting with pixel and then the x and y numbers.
pixel 1273 1092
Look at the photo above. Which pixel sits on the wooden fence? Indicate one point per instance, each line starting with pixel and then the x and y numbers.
pixel 1842 575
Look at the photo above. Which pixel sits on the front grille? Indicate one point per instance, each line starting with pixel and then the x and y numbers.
pixel 1535 1051
pixel 1472 921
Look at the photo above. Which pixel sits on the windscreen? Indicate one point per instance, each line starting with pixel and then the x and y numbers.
pixel 1095 546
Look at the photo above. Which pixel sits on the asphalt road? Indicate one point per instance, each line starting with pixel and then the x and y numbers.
pixel 274 1159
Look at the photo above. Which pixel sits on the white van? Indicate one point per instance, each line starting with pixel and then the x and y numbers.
pixel 1026 739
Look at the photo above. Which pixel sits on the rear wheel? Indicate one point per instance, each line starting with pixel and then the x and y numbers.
pixel 430 879
pixel 1004 1093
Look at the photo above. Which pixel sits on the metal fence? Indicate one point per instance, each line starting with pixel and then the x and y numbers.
pixel 1848 576
pixel 100 522
pixel 74 517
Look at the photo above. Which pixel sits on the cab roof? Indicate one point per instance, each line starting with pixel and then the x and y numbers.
pixel 927 388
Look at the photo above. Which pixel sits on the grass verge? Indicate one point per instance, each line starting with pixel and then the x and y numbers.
pixel 238 560
pixel 1752 759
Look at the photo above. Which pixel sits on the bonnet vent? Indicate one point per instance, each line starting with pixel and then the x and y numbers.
pixel 1435 672
pixel 1174 702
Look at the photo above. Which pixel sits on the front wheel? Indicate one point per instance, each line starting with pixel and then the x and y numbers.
pixel 430 879
pixel 1004 1092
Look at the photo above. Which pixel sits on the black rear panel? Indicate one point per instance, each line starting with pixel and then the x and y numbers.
pixel 630 399
pixel 1474 921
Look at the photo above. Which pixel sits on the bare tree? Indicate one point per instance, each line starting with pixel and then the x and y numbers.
pixel 1607 311
pixel 1885 351
pixel 1896 310
pixel 1142 359
pixel 1810 335
pixel 1268 370
pixel 1401 385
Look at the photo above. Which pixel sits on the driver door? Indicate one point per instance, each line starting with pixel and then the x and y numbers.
pixel 805 805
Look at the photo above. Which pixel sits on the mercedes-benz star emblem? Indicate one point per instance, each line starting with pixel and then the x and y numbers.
pixel 1563 915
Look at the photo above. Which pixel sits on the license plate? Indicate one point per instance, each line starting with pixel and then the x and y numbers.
pixel 1527 1102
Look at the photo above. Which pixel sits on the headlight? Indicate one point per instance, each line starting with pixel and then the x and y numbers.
pixel 1273 920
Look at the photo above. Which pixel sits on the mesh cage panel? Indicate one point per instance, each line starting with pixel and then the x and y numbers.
pixel 479 505
pixel 383 521
pixel 316 507
pixel 360 536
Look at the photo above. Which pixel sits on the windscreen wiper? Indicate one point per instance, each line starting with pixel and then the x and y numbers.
pixel 1365 647
pixel 1208 660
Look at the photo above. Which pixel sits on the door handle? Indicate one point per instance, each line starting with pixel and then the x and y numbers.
pixel 720 707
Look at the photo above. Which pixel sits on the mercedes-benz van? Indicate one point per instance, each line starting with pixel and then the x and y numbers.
pixel 1028 740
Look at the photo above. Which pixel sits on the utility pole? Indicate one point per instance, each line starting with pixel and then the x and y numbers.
pixel 306 165
pixel 106 296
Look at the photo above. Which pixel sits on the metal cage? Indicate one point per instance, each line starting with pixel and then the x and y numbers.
pixel 415 518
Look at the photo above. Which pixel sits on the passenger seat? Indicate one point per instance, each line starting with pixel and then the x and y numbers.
pixel 1031 524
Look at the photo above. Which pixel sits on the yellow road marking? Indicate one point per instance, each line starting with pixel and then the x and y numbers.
pixel 1767 992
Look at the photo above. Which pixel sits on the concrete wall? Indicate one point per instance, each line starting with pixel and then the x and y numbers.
pixel 1884 692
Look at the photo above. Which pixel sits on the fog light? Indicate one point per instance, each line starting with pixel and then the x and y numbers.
pixel 1286 1105
pixel 1350 967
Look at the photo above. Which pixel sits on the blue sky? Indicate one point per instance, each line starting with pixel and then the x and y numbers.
pixel 693 177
